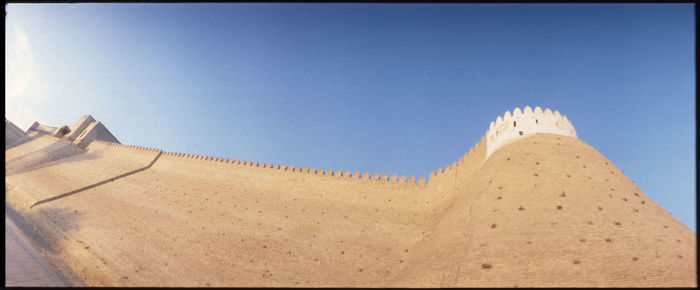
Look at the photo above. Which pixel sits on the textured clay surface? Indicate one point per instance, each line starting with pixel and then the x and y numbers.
pixel 546 210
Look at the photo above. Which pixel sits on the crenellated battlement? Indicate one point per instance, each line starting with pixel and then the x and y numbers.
pixel 468 162
pixel 520 124
pixel 330 173
pixel 102 143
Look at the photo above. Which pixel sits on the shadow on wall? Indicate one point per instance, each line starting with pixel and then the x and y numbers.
pixel 63 219
pixel 67 159
pixel 98 183
pixel 24 139
pixel 49 153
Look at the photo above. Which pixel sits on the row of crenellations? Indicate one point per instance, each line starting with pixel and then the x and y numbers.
pixel 321 172
pixel 547 113
pixel 132 147
pixel 469 157
pixel 290 168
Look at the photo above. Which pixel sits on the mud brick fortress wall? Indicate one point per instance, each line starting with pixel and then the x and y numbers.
pixel 528 205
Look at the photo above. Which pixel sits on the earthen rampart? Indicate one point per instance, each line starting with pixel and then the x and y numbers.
pixel 538 212
pixel 34 149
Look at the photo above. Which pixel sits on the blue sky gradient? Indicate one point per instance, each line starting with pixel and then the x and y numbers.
pixel 389 88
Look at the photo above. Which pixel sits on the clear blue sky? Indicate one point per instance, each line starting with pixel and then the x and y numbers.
pixel 389 88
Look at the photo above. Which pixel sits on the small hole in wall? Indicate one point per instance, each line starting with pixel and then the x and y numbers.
pixel 537 121
pixel 520 132
pixel 514 124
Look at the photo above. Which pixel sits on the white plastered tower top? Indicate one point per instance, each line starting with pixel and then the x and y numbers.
pixel 520 124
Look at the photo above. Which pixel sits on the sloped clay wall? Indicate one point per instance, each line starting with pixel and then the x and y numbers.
pixel 549 210
pixel 53 166
pixel 543 210
pixel 36 148
pixel 329 183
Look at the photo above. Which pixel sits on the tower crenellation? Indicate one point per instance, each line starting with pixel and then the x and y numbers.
pixel 523 123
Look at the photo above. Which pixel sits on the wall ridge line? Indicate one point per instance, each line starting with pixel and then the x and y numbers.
pixel 330 173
